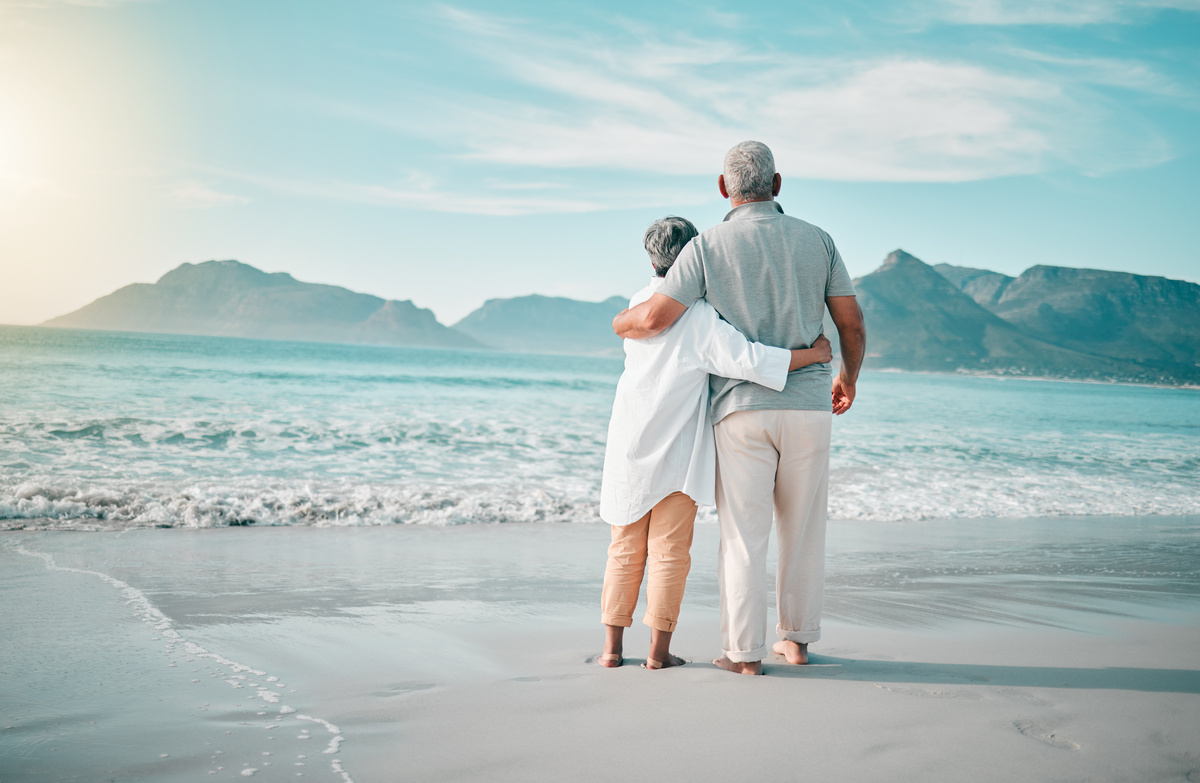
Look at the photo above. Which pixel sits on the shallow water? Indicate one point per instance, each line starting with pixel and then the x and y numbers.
pixel 103 430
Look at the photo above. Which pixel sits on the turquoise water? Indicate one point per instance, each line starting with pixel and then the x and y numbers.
pixel 110 430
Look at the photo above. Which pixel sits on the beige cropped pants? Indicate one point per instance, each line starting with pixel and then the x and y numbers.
pixel 771 465
pixel 664 538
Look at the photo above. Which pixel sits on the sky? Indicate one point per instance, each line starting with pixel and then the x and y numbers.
pixel 456 152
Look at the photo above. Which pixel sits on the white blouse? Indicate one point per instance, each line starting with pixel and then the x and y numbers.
pixel 660 437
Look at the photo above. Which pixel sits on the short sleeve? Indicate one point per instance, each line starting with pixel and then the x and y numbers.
pixel 685 281
pixel 839 278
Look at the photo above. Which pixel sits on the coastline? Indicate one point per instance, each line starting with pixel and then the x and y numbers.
pixel 613 355
pixel 997 376
pixel 988 649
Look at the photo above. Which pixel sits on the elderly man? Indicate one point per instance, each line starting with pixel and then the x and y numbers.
pixel 770 276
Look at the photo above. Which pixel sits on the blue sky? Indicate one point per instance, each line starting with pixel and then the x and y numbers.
pixel 450 153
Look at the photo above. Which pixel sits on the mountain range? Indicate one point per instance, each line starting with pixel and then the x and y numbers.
pixel 1049 321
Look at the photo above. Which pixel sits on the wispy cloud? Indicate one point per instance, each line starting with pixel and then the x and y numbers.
pixel 422 191
pixel 62 3
pixel 590 118
pixel 1053 12
pixel 639 102
pixel 903 120
pixel 1106 71
pixel 196 195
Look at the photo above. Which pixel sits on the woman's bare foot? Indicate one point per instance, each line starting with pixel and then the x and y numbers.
pixel 660 651
pixel 739 667
pixel 795 652
pixel 666 663
pixel 614 637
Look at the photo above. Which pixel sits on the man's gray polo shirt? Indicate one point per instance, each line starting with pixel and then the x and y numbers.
pixel 767 274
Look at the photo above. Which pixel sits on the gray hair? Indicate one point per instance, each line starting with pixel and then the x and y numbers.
pixel 664 239
pixel 749 172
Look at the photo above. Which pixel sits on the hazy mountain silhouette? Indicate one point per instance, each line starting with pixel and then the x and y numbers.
pixel 228 298
pixel 545 324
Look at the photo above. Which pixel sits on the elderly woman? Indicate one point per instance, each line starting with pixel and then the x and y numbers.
pixel 660 461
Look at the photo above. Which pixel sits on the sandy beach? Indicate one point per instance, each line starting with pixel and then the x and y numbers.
pixel 983 650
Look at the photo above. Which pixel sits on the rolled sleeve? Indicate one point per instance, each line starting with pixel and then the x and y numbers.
pixel 726 352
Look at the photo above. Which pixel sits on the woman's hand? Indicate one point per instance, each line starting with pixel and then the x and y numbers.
pixel 820 353
pixel 824 349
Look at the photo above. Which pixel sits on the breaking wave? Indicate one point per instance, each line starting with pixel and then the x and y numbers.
pixel 104 430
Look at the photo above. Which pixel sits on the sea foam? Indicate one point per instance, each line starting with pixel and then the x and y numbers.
pixel 153 617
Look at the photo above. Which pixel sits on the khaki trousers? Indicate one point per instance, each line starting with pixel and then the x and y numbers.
pixel 664 537
pixel 771 464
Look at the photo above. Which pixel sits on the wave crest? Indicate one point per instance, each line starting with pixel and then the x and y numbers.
pixel 37 505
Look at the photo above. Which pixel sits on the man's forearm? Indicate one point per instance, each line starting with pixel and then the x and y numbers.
pixel 648 318
pixel 854 345
pixel 852 334
pixel 632 324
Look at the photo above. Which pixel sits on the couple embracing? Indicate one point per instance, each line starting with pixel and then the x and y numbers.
pixel 707 411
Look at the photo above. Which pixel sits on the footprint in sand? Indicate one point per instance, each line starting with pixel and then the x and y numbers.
pixel 1023 696
pixel 401 688
pixel 532 678
pixel 928 693
pixel 1039 733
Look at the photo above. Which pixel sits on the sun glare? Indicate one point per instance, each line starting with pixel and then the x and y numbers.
pixel 17 153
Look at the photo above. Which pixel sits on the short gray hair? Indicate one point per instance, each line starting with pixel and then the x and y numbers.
pixel 664 239
pixel 749 172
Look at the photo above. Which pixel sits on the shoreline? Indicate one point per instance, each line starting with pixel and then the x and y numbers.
pixel 705 518
pixel 602 356
pixel 1044 378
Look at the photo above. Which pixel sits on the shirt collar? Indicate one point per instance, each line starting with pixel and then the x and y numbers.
pixel 755 209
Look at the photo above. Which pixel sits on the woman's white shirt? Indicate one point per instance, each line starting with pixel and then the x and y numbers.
pixel 660 437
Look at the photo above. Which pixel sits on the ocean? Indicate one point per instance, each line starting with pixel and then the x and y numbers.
pixel 103 430
pixel 374 622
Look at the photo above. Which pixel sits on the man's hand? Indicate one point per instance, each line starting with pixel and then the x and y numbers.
pixel 843 395
pixel 649 318
pixel 848 317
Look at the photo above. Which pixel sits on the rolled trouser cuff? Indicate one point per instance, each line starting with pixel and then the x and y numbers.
pixel 612 619
pixel 800 637
pixel 747 656
pixel 659 623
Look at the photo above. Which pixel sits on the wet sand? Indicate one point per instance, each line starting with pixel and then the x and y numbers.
pixel 1061 649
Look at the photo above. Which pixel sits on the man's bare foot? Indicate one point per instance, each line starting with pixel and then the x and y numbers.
pixel 665 663
pixel 610 660
pixel 738 667
pixel 795 652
